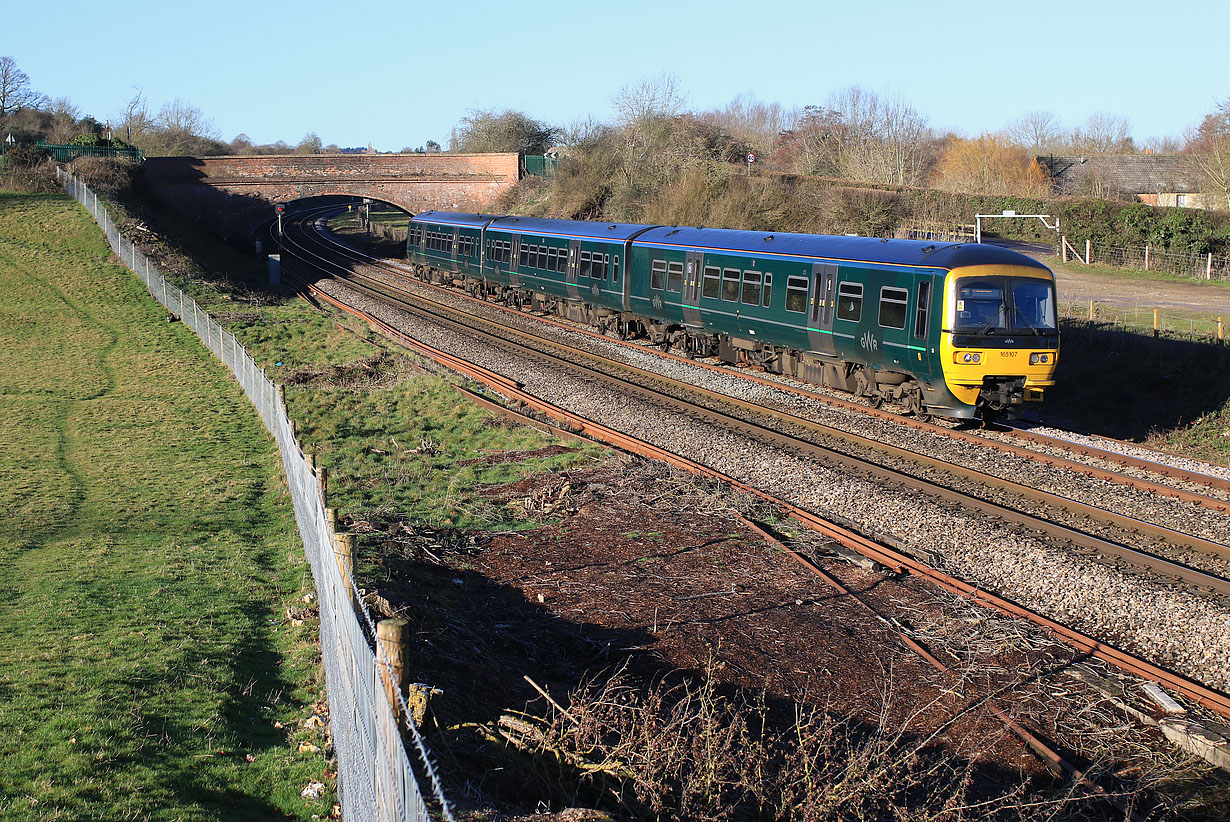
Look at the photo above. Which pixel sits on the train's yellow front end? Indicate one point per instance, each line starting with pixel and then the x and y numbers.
pixel 1000 339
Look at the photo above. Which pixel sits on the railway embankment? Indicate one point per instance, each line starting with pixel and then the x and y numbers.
pixel 516 559
pixel 151 666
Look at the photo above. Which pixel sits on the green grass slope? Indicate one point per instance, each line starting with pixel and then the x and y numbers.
pixel 148 668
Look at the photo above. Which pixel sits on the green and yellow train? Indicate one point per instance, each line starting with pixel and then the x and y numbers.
pixel 956 330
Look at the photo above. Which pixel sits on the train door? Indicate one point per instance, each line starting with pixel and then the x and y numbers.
pixel 820 309
pixel 453 250
pixel 514 262
pixel 924 355
pixel 693 266
pixel 572 278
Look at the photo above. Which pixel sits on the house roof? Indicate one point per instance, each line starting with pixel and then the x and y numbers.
pixel 1132 173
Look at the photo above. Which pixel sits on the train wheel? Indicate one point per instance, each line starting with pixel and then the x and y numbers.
pixel 876 399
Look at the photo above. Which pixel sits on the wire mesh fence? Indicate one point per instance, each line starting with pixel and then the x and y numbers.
pixel 1146 258
pixel 375 777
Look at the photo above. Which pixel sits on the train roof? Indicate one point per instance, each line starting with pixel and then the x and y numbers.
pixel 581 229
pixel 918 253
pixel 577 229
pixel 460 218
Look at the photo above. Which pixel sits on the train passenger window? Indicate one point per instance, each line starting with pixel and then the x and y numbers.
pixel 893 302
pixel 751 287
pixel 920 313
pixel 561 262
pixel 712 287
pixel 850 302
pixel 583 271
pixel 523 255
pixel 657 276
pixel 768 290
pixel 674 277
pixel 796 294
pixel 600 267
pixel 730 284
pixel 542 257
pixel 615 269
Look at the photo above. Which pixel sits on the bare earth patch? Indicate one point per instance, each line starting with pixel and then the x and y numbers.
pixel 648 573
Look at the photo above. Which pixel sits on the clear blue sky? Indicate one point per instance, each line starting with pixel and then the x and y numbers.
pixel 399 74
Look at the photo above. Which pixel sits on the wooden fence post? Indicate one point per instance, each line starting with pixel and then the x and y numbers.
pixel 1088 252
pixel 391 638
pixel 1146 256
pixel 1221 331
pixel 322 480
pixel 331 518
pixel 345 563
pixel 1063 246
pixel 1208 268
pixel 1091 311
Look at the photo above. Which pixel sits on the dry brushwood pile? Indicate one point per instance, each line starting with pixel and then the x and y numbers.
pixel 645 654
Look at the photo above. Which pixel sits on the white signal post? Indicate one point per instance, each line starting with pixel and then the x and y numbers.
pixel 978 218
pixel 751 158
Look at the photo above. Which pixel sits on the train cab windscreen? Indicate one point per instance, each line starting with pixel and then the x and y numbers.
pixel 1004 305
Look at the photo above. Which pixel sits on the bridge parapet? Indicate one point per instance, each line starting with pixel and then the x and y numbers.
pixel 415 182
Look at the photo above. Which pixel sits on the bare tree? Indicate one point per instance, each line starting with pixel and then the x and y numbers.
pixel 1103 133
pixel 64 120
pixel 508 130
pixel 1035 131
pixel 180 129
pixel 1210 150
pixel 879 140
pixel 651 98
pixel 989 165
pixel 585 130
pixel 756 123
pixel 1162 145
pixel 15 91
pixel 135 122
pixel 310 144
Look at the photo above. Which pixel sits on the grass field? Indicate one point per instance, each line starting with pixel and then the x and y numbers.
pixel 149 669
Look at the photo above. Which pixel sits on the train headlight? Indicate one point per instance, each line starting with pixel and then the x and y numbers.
pixel 967 357
pixel 1035 359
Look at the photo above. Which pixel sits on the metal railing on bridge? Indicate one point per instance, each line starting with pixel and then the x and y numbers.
pixel 63 153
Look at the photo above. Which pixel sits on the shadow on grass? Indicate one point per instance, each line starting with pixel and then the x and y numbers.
pixel 1127 385
pixel 477 640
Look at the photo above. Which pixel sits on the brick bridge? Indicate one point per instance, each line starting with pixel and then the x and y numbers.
pixel 232 192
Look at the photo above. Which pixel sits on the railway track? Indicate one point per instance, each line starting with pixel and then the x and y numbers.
pixel 845 450
pixel 1212 492
pixel 895 560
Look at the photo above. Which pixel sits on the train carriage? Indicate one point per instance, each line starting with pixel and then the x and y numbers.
pixel 447 243
pixel 952 329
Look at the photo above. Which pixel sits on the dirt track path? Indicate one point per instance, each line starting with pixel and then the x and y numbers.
pixel 1077 285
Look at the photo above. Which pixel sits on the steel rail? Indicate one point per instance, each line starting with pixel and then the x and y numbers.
pixel 1201 694
pixel 1158 565
pixel 1193 477
pixel 1047 753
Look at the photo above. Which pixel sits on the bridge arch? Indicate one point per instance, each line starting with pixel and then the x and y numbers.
pixel 223 190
